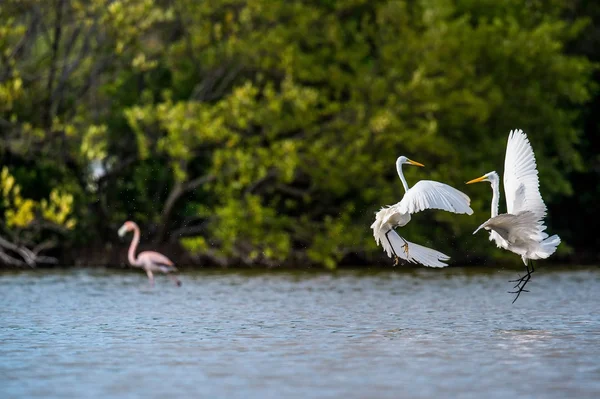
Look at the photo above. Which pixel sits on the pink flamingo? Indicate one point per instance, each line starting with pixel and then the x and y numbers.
pixel 150 261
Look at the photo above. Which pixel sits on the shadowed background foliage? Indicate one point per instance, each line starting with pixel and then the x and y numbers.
pixel 265 132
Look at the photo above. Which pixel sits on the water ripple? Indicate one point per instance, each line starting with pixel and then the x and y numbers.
pixel 405 333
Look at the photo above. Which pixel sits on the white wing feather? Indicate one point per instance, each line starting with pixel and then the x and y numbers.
pixel 429 194
pixel 426 194
pixel 521 183
pixel 522 234
pixel 523 227
pixel 416 253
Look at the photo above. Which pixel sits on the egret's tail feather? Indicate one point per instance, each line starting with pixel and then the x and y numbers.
pixel 548 247
pixel 394 244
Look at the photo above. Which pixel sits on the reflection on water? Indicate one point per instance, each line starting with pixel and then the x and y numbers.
pixel 352 334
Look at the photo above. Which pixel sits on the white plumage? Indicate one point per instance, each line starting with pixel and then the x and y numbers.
pixel 521 229
pixel 426 194
pixel 521 184
pixel 429 194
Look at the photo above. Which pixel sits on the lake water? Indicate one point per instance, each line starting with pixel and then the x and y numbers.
pixel 402 333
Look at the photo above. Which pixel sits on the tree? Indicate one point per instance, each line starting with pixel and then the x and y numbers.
pixel 265 132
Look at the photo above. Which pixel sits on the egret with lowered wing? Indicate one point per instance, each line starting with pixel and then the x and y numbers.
pixel 426 194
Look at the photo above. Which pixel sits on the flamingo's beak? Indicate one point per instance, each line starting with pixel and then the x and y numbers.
pixel 122 231
pixel 479 179
pixel 410 161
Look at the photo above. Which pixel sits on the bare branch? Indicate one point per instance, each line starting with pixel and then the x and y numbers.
pixel 165 215
pixel 29 258
pixel 200 181
pixel 178 190
pixel 188 231
pixel 43 246
pixel 9 260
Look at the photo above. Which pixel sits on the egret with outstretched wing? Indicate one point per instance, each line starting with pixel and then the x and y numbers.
pixel 521 228
pixel 426 194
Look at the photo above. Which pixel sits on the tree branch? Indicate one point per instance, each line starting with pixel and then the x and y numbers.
pixel 178 190
pixel 9 260
pixel 53 63
pixel 293 191
pixel 269 175
pixel 29 258
pixel 200 181
pixel 67 69
pixel 188 231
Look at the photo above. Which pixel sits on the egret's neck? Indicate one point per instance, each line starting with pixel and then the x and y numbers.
pixel 133 247
pixel 402 179
pixel 495 197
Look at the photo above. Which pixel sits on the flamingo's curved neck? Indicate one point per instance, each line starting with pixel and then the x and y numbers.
pixel 399 169
pixel 495 197
pixel 133 246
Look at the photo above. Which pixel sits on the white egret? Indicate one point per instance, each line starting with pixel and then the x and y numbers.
pixel 426 194
pixel 521 228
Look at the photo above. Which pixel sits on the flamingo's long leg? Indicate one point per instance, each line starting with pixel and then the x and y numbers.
pixel 150 277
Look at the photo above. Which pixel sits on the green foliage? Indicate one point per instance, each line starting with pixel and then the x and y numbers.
pixel 266 131
pixel 20 212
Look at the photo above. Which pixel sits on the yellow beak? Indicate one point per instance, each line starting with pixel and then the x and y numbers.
pixel 410 161
pixel 479 179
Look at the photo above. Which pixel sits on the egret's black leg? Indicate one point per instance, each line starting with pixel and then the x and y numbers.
pixel 405 246
pixel 391 246
pixel 524 277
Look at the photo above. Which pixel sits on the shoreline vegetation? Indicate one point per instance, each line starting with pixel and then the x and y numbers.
pixel 264 133
pixel 115 256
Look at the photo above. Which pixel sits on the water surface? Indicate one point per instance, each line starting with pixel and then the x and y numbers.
pixel 403 333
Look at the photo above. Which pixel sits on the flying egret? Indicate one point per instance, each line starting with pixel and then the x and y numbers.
pixel 152 262
pixel 426 194
pixel 521 228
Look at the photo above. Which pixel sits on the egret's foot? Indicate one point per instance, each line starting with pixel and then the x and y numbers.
pixel 396 260
pixel 521 286
pixel 518 294
pixel 520 280
pixel 405 246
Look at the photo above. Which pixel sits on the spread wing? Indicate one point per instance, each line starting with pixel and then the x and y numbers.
pixel 394 244
pixel 429 194
pixel 423 255
pixel 521 184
